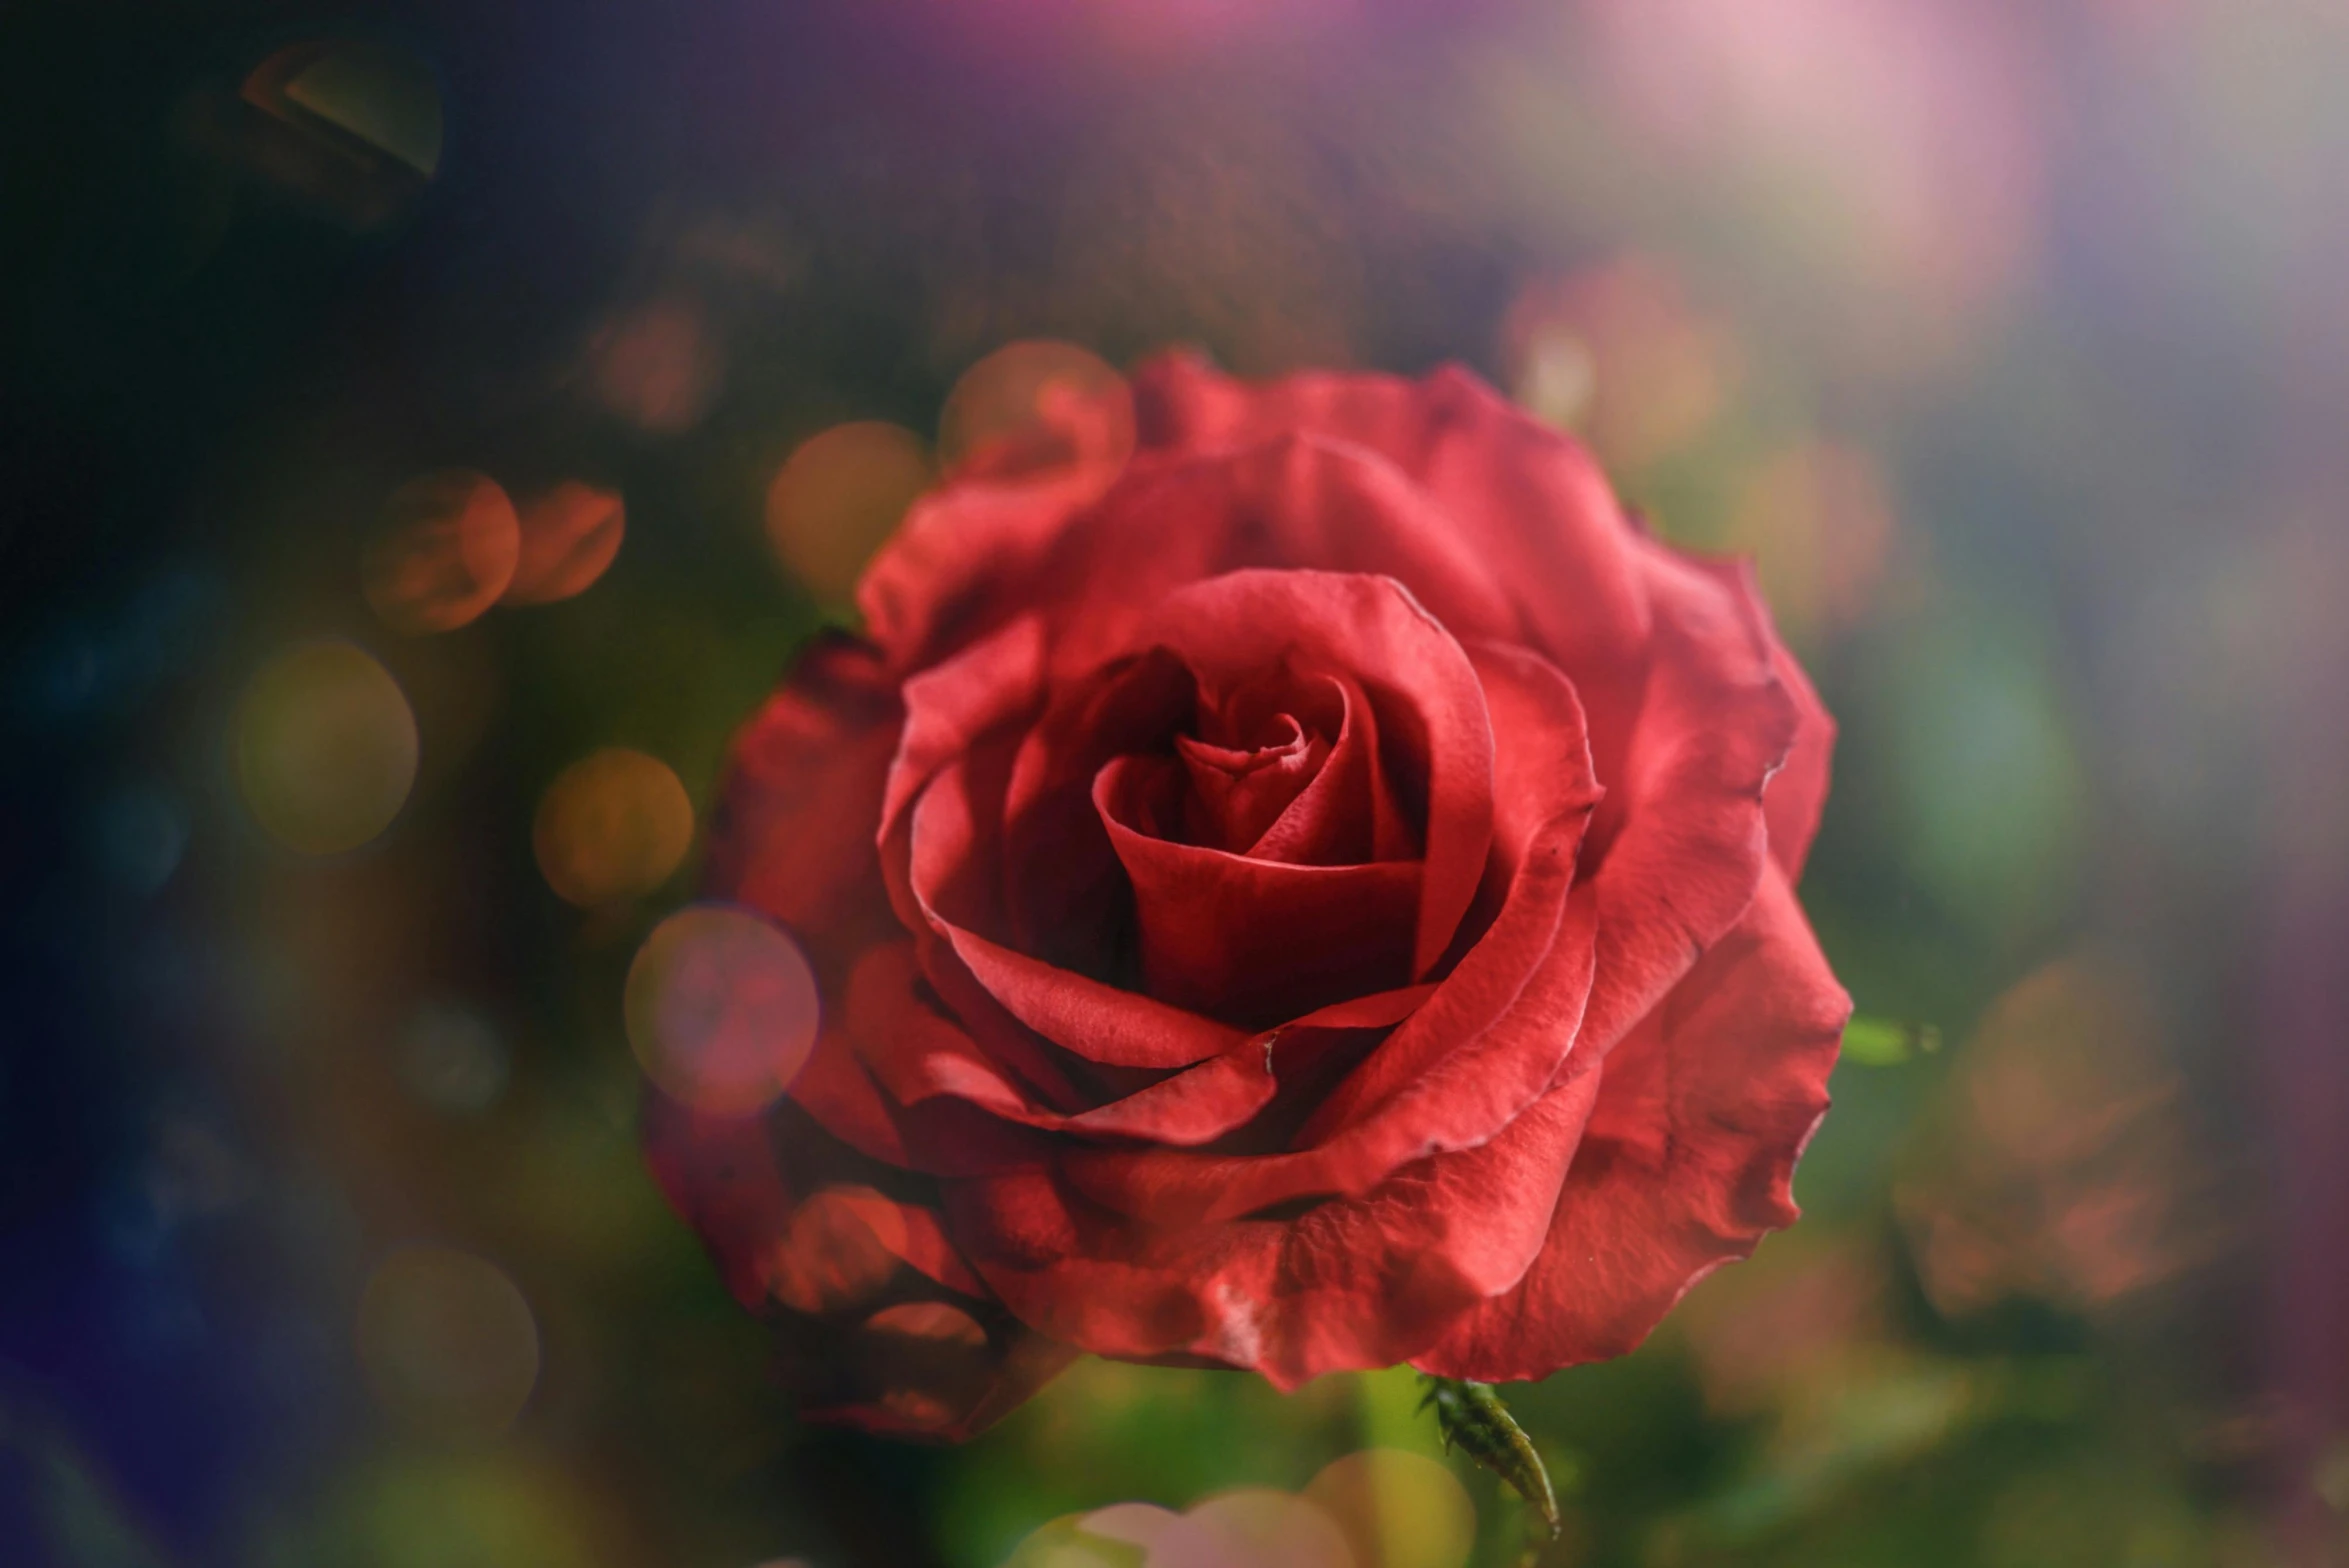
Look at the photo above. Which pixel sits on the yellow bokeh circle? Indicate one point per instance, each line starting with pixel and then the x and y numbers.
pixel 612 826
pixel 325 747
pixel 448 1343
pixel 838 496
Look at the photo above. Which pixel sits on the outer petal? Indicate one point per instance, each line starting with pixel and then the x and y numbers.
pixel 936 1369
pixel 943 576
pixel 793 831
pixel 1798 794
pixel 1681 841
pixel 1528 504
pixel 878 1318
pixel 729 1178
pixel 1503 528
pixel 1355 1282
pixel 1689 1156
pixel 793 836
pixel 1293 501
pixel 954 703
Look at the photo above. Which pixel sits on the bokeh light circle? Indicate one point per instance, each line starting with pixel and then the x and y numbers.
pixel 570 535
pixel 1254 1527
pixel 721 1009
pixel 447 1342
pixel 838 496
pixel 611 826
pixel 658 366
pixel 449 1057
pixel 1624 353
pixel 1818 520
pixel 1139 1525
pixel 1035 407
pixel 325 747
pixel 1397 1509
pixel 1067 1542
pixel 443 551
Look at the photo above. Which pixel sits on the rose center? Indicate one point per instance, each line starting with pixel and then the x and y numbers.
pixel 1251 753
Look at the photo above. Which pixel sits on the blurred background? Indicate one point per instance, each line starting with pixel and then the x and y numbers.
pixel 428 428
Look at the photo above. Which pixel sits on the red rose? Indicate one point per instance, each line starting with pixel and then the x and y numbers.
pixel 1321 900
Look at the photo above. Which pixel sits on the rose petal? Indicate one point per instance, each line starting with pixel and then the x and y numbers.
pixel 1480 1049
pixel 1246 621
pixel 1527 505
pixel 1196 1105
pixel 1348 812
pixel 941 574
pixel 1254 941
pixel 949 706
pixel 1689 841
pixel 1355 1282
pixel 1689 1157
pixel 919 1055
pixel 1237 794
pixel 844 1244
pixel 1065 898
pixel 928 1370
pixel 804 772
pixel 1101 1023
pixel 1501 527
pixel 1290 501
pixel 936 1138
pixel 940 810
pixel 724 1177
pixel 947 792
pixel 792 835
pixel 916 1053
pixel 1797 795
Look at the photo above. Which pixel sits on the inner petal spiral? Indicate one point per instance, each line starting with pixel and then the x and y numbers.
pixel 1254 942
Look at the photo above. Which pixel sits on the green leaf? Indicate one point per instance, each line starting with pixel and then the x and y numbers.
pixel 1885 1042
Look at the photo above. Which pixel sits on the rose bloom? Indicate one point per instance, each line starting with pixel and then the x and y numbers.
pixel 1313 895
